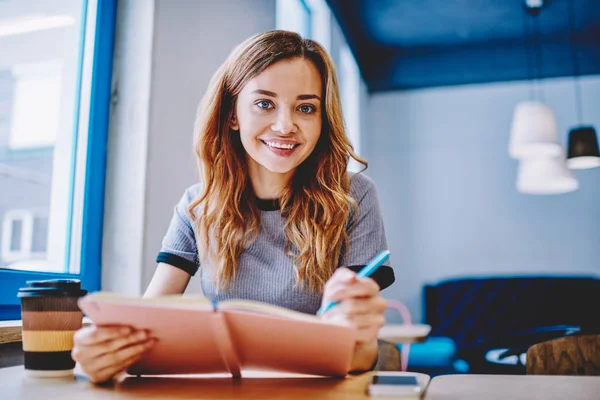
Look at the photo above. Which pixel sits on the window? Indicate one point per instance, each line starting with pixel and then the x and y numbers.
pixel 54 100
pixel 320 22
pixel 295 16
pixel 36 89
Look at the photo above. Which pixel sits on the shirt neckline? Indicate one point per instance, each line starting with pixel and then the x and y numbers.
pixel 267 204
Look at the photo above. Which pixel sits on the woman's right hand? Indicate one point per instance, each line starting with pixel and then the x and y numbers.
pixel 104 351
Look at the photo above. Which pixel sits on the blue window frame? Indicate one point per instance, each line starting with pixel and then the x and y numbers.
pixel 99 49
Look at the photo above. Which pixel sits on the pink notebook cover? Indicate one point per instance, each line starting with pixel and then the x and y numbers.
pixel 195 338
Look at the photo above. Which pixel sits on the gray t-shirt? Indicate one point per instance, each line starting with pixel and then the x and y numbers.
pixel 265 273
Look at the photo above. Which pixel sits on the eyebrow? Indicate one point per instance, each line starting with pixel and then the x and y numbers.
pixel 299 97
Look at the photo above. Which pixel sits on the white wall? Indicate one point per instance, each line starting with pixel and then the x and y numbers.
pixel 447 187
pixel 191 39
pixel 126 163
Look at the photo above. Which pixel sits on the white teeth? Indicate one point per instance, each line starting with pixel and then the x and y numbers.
pixel 280 145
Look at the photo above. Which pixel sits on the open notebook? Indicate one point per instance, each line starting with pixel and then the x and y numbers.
pixel 197 336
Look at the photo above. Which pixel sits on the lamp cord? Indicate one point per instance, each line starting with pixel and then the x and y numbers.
pixel 530 76
pixel 538 59
pixel 576 83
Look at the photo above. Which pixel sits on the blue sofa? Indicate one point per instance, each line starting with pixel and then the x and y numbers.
pixel 485 324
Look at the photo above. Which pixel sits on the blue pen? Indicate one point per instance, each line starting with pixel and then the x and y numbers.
pixel 366 271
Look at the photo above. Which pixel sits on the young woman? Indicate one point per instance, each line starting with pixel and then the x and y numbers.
pixel 275 214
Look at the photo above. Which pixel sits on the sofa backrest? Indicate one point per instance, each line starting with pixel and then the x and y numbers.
pixel 474 309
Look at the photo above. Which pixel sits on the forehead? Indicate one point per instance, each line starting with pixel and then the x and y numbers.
pixel 288 77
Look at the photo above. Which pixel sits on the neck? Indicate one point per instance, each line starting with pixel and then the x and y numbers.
pixel 267 184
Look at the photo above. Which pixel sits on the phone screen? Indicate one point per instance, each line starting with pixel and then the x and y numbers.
pixel 394 380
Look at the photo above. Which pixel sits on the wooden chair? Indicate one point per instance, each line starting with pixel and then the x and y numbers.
pixel 569 355
pixel 11 354
pixel 389 358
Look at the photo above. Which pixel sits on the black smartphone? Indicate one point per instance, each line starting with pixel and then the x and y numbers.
pixel 394 384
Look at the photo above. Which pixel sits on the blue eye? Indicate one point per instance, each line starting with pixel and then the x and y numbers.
pixel 307 109
pixel 264 104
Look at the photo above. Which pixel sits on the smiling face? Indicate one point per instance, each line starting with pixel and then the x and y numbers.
pixel 279 117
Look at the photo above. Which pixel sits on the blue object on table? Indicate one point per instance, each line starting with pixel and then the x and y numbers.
pixel 435 356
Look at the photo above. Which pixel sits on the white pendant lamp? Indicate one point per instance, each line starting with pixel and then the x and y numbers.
pixel 534 132
pixel 545 175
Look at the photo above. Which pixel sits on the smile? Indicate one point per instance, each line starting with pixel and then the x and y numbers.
pixel 281 149
pixel 287 146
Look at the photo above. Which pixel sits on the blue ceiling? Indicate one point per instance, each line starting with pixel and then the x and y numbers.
pixel 411 44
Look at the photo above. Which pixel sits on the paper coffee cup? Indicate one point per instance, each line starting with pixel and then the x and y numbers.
pixel 50 317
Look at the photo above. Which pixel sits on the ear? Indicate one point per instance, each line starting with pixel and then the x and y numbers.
pixel 234 123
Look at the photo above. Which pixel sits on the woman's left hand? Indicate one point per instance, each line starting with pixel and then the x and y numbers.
pixel 360 304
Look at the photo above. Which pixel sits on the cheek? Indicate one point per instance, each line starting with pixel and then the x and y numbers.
pixel 249 142
pixel 313 132
pixel 252 126
pixel 247 130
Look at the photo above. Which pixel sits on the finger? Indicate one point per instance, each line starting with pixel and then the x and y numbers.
pixel 359 306
pixel 114 345
pixel 341 275
pixel 366 335
pixel 97 334
pixel 367 329
pixel 366 321
pixel 341 280
pixel 118 357
pixel 107 373
pixel 363 287
pixel 333 289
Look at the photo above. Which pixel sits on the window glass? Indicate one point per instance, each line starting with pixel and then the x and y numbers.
pixel 41 45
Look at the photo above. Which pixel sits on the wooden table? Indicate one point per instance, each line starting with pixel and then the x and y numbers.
pixel 513 387
pixel 15 384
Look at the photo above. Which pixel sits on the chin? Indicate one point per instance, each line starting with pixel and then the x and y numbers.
pixel 279 169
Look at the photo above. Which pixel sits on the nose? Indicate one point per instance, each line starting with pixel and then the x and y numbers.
pixel 284 124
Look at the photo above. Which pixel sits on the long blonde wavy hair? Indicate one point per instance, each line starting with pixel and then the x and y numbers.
pixel 315 204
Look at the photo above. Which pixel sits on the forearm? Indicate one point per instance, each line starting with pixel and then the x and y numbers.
pixel 167 280
pixel 365 356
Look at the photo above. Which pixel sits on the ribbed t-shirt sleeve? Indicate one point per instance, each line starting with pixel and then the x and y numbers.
pixel 179 247
pixel 367 232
